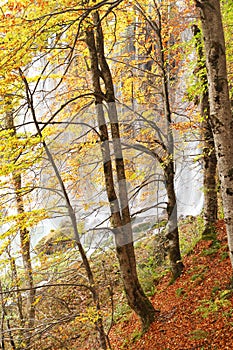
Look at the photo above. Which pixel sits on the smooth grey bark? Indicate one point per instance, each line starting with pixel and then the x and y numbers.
pixel 209 154
pixel 220 105
pixel 118 200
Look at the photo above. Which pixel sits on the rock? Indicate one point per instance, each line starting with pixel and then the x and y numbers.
pixel 57 240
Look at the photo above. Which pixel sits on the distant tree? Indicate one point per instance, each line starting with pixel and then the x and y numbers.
pixel 155 86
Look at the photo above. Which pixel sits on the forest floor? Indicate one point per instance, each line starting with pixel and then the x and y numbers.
pixel 196 312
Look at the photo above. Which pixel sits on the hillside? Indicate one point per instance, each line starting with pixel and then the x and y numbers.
pixel 196 312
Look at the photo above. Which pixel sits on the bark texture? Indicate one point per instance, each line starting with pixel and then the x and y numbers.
pixel 209 154
pixel 169 171
pixel 220 106
pixel 172 225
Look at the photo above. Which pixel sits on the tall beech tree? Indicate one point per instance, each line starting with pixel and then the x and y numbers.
pixel 118 199
pixel 220 104
pixel 209 154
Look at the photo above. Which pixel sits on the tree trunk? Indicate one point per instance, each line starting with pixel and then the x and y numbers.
pixel 24 245
pixel 169 171
pixel 103 338
pixel 172 225
pixel 120 215
pixel 220 105
pixel 209 155
pixel 166 147
pixel 210 180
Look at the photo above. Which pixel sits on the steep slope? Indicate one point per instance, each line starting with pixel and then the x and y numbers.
pixel 196 311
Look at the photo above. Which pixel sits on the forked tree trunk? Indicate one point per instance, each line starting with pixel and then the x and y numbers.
pixel 120 215
pixel 220 106
pixel 209 154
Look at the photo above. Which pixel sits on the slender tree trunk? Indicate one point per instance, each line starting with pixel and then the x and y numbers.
pixel 169 171
pixel 15 280
pixel 210 177
pixel 209 155
pixel 172 225
pixel 26 255
pixel 103 338
pixel 120 215
pixel 3 316
pixel 220 106
pixel 167 148
pixel 25 246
